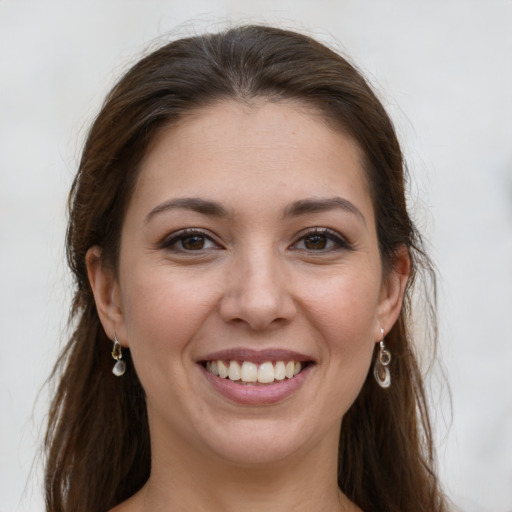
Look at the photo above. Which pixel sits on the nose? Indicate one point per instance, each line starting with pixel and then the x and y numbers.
pixel 257 293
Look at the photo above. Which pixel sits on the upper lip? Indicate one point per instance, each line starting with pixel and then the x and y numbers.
pixel 255 356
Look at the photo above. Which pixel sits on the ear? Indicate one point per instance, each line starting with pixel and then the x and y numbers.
pixel 392 292
pixel 106 294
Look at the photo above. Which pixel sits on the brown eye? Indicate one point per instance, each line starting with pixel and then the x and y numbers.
pixel 193 243
pixel 321 240
pixel 188 241
pixel 315 242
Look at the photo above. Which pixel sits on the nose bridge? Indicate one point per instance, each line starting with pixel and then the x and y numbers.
pixel 258 294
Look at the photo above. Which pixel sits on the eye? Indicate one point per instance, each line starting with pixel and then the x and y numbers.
pixel 189 240
pixel 321 240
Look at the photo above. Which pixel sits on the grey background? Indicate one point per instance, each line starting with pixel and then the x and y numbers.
pixel 444 71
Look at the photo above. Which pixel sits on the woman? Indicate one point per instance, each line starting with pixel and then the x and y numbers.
pixel 243 258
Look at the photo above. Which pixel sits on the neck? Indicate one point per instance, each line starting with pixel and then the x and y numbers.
pixel 192 481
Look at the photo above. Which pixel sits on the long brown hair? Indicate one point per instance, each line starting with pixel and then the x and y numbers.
pixel 97 442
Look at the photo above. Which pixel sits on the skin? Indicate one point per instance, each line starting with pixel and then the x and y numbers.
pixel 259 277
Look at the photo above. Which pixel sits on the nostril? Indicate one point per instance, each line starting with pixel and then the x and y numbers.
pixel 258 302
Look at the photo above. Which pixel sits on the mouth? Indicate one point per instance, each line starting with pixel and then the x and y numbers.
pixel 255 373
pixel 256 377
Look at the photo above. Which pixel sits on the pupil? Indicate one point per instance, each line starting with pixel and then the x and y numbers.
pixel 193 242
pixel 315 242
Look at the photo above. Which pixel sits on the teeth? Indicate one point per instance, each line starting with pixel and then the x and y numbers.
pixel 249 372
pixel 223 369
pixel 265 373
pixel 280 371
pixel 234 371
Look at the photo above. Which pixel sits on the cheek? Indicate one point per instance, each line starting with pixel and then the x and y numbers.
pixel 347 309
pixel 163 315
pixel 345 316
pixel 345 322
pixel 162 311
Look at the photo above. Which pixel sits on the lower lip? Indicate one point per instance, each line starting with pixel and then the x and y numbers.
pixel 256 394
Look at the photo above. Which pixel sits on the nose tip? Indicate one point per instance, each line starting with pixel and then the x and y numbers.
pixel 259 299
pixel 258 312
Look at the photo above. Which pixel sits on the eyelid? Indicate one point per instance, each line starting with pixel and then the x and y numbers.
pixel 334 236
pixel 331 234
pixel 174 237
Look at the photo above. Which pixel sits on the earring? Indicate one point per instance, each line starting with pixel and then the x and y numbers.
pixel 120 366
pixel 380 368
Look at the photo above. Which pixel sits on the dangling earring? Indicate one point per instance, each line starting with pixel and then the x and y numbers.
pixel 120 366
pixel 380 368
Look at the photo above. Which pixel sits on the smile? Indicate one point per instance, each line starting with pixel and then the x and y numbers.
pixel 256 377
pixel 249 372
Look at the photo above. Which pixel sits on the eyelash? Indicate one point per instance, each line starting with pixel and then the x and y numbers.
pixel 329 234
pixel 184 234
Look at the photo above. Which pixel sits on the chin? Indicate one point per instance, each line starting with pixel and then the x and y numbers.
pixel 255 443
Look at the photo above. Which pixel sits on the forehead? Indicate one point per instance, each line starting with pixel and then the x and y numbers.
pixel 233 150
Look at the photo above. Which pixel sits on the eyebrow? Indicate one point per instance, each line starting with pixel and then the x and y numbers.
pixel 203 206
pixel 306 206
pixel 295 209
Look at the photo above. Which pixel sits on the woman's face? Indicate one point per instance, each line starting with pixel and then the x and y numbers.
pixel 249 247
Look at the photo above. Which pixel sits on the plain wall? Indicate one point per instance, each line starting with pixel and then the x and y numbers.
pixel 443 69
